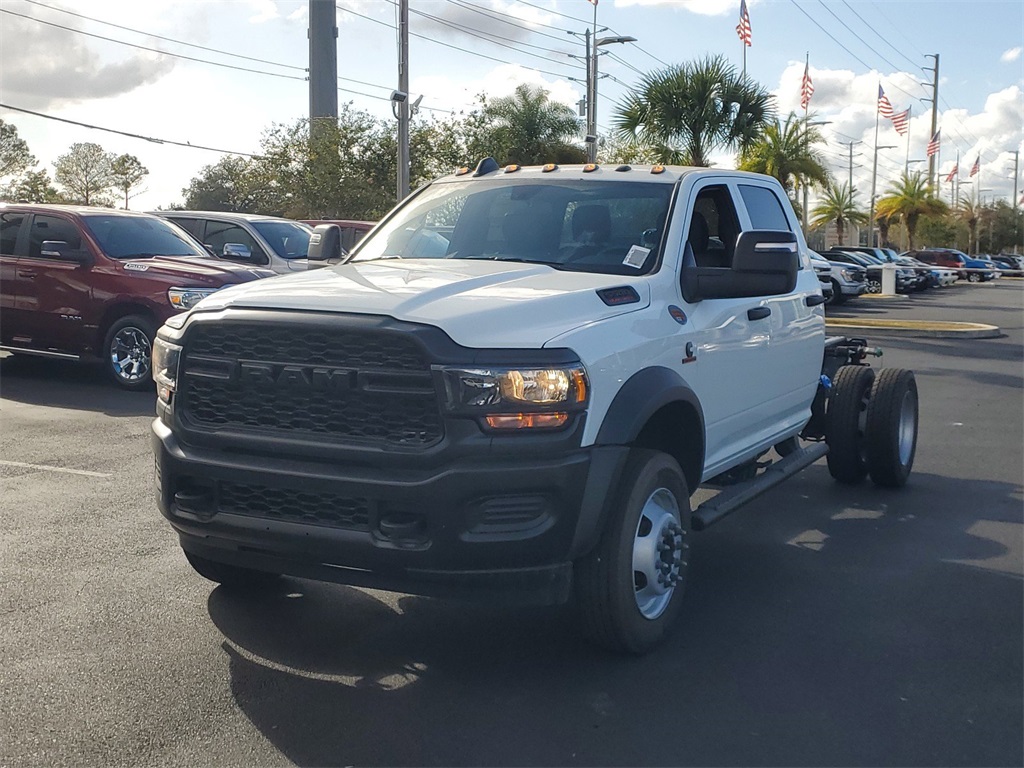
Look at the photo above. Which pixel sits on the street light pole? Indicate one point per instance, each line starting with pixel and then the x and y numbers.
pixel 807 146
pixel 874 177
pixel 592 78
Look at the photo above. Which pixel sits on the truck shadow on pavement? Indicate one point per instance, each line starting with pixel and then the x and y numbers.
pixel 826 626
pixel 64 384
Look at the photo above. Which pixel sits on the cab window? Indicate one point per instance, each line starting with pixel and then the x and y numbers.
pixel 219 233
pixel 10 226
pixel 51 228
pixel 764 208
pixel 714 227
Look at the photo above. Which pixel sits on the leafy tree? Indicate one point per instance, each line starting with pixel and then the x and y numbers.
pixel 84 172
pixel 939 231
pixel 907 200
pixel 14 154
pixel 785 151
pixel 969 212
pixel 231 184
pixel 1005 226
pixel 526 128
pixel 839 205
pixel 690 110
pixel 32 187
pixel 126 173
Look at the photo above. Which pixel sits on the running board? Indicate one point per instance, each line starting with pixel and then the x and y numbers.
pixel 39 352
pixel 735 496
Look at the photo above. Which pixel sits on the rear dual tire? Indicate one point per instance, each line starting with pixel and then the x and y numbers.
pixel 871 425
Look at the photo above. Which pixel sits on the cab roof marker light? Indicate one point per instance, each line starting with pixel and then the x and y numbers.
pixel 549 168
pixel 589 167
pixel 462 171
pixel 512 168
pixel 623 168
pixel 657 169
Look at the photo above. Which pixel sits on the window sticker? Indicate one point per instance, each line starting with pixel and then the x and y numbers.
pixel 636 256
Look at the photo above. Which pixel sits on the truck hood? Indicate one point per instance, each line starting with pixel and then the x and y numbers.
pixel 194 271
pixel 477 303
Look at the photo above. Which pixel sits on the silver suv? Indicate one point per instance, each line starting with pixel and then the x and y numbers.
pixel 278 244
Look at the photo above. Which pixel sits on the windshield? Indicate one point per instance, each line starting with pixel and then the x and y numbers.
pixel 574 224
pixel 289 239
pixel 127 237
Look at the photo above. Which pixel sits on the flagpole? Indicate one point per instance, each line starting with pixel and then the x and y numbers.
pixel 743 45
pixel 874 177
pixel 807 128
pixel 956 179
pixel 910 114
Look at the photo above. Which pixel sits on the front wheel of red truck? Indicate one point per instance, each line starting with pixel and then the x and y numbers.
pixel 629 589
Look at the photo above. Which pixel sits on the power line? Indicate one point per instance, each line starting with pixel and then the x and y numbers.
pixel 126 133
pixel 166 39
pixel 880 36
pixel 555 13
pixel 153 50
pixel 494 14
pixel 863 42
pixel 454 47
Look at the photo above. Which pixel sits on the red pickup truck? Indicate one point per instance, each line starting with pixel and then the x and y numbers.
pixel 87 283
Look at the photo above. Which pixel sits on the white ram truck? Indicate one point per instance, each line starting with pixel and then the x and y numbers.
pixel 511 389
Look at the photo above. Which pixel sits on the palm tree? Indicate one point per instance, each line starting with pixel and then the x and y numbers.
pixel 908 199
pixel 970 214
pixel 527 128
pixel 687 111
pixel 840 206
pixel 784 151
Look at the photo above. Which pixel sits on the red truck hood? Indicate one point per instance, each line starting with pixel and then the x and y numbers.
pixel 194 271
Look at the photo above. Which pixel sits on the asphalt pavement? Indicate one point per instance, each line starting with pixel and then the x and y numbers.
pixel 823 625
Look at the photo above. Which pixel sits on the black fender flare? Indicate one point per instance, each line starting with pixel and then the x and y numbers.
pixel 643 394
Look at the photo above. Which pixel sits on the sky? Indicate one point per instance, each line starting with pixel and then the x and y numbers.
pixel 244 69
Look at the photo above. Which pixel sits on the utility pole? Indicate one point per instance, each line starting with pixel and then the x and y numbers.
pixel 591 137
pixel 400 99
pixel 932 179
pixel 1016 200
pixel 851 143
pixel 323 61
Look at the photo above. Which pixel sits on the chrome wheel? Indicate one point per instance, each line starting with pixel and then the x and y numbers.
pixel 659 553
pixel 874 286
pixel 130 350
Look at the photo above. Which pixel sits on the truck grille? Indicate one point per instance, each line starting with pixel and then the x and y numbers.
pixel 327 509
pixel 341 385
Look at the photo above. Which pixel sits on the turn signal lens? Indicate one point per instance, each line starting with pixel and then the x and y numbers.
pixel 527 420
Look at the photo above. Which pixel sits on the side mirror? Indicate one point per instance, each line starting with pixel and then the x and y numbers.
pixel 60 250
pixel 324 246
pixel 237 252
pixel 764 263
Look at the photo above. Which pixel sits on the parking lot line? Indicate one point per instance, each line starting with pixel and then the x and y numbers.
pixel 85 472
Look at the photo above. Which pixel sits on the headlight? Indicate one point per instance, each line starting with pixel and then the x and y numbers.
pixel 186 298
pixel 165 359
pixel 518 398
pixel 847 275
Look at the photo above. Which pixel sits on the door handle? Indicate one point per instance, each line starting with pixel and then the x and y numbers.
pixel 758 313
pixel 26 273
pixel 813 301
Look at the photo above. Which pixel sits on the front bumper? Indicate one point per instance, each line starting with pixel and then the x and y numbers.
pixel 499 525
pixel 853 289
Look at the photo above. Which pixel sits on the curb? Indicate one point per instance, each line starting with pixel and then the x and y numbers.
pixel 918 328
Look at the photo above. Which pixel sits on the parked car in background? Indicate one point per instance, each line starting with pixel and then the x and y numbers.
pixel 1009 265
pixel 940 276
pixel 925 272
pixel 848 280
pixel 981 268
pixel 352 231
pixel 277 244
pixel 906 279
pixel 968 269
pixel 824 272
pixel 94 283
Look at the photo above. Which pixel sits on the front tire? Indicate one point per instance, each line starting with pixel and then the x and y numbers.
pixel 973 277
pixel 837 294
pixel 127 352
pixel 629 590
pixel 845 423
pixel 891 431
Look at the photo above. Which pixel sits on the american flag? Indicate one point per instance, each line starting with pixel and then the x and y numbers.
pixel 933 145
pixel 806 88
pixel 743 28
pixel 884 107
pixel 900 121
pixel 952 174
pixel 594 2
pixel 976 168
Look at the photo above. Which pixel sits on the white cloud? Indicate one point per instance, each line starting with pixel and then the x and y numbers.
pixel 1011 55
pixel 501 81
pixel 703 7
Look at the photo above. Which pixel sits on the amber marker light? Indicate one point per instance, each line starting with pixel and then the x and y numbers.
pixel 657 169
pixel 549 168
pixel 462 171
pixel 589 167
pixel 527 420
pixel 512 168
